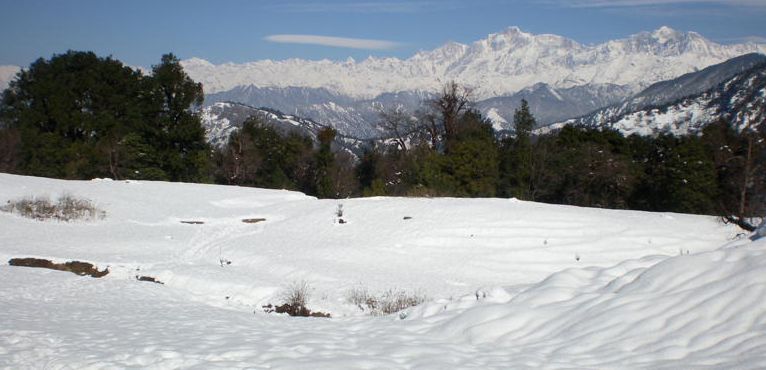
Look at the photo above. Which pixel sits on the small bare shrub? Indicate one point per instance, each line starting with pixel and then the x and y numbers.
pixel 67 208
pixel 296 294
pixel 395 300
pixel 361 297
pixel 385 303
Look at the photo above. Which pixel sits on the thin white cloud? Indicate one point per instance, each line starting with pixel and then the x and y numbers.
pixel 367 7
pixel 633 3
pixel 345 42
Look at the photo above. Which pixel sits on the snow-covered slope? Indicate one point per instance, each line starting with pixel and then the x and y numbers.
pixel 511 284
pixel 739 99
pixel 223 118
pixel 7 74
pixel 361 118
pixel 499 64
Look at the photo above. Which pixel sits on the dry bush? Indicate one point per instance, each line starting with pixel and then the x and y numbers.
pixel 385 303
pixel 361 297
pixel 395 300
pixel 296 294
pixel 67 208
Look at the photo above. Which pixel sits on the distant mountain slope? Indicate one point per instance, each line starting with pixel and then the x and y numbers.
pixel 550 105
pixel 500 64
pixel 361 118
pixel 693 83
pixel 223 118
pixel 356 118
pixel 678 106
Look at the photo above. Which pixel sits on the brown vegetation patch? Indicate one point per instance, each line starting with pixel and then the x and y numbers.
pixel 253 220
pixel 148 278
pixel 193 222
pixel 294 311
pixel 77 267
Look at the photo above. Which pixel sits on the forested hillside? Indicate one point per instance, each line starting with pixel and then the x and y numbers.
pixel 80 116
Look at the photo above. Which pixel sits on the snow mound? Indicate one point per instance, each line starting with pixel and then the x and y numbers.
pixel 694 310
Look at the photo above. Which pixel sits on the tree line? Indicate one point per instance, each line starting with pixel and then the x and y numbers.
pixel 717 171
pixel 79 116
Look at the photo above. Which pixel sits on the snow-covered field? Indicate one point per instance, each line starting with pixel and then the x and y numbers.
pixel 511 284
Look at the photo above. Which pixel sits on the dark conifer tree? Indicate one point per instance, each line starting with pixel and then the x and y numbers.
pixel 516 156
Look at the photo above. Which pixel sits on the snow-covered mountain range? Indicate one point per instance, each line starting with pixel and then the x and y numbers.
pixel 500 64
pixel 734 90
pixel 561 78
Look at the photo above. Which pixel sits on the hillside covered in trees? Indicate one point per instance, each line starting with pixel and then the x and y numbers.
pixel 80 116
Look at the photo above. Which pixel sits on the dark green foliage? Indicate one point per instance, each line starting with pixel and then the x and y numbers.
pixel 679 176
pixel 591 168
pixel 80 116
pixel 323 162
pixel 721 171
pixel 740 162
pixel 176 133
pixel 259 155
pixel 517 159
pixel 471 160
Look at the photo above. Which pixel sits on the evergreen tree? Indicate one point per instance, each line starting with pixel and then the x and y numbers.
pixel 472 159
pixel 324 160
pixel 591 167
pixel 681 177
pixel 516 156
pixel 177 135
pixel 80 116
pixel 65 107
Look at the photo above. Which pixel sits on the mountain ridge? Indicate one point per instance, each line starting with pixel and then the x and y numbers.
pixel 501 63
pixel 735 91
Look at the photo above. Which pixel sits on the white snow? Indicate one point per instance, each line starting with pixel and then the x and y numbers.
pixel 682 119
pixel 497 120
pixel 7 74
pixel 511 284
pixel 502 63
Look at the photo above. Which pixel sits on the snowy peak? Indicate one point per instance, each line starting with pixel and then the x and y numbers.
pixel 501 63
pixel 197 62
pixel 665 34
pixel 734 90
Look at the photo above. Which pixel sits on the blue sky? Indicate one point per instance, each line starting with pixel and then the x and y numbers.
pixel 138 32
